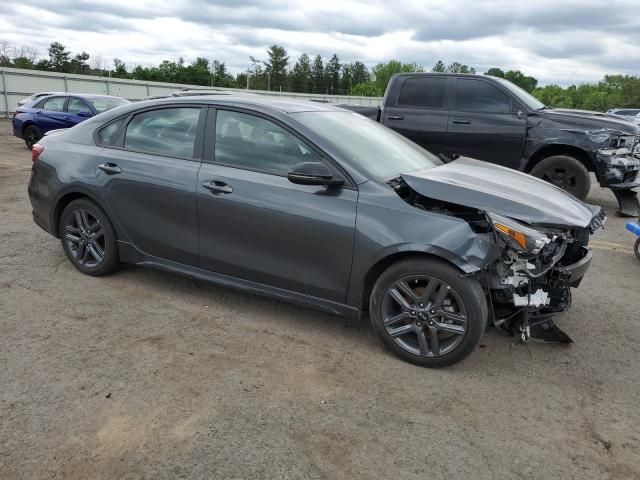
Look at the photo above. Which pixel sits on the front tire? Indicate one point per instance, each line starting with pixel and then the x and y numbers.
pixel 636 248
pixel 426 313
pixel 31 136
pixel 88 238
pixel 565 172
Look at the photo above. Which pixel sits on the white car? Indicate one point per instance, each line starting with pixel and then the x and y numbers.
pixel 35 96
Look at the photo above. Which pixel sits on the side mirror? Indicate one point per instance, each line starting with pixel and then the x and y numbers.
pixel 84 113
pixel 312 173
pixel 519 113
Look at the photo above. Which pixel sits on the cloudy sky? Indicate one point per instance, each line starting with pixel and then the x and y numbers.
pixel 557 41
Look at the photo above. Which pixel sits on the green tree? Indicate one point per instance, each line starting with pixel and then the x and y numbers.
pixel 332 74
pixel 439 67
pixel 58 57
pixel 523 81
pixel 301 75
pixel 368 89
pixel 276 67
pixel 495 72
pixel 119 69
pixel 457 67
pixel 78 63
pixel 383 72
pixel 317 75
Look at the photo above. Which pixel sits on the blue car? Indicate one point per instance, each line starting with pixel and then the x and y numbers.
pixel 33 119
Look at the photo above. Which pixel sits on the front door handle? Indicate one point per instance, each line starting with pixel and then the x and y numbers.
pixel 217 187
pixel 110 168
pixel 395 117
pixel 461 121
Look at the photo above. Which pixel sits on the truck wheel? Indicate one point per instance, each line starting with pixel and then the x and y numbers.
pixel 427 313
pixel 565 172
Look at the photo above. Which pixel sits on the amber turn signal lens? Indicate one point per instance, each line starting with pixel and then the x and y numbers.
pixel 516 235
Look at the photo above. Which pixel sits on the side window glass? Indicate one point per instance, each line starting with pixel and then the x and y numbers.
pixel 76 105
pixel 253 143
pixel 107 135
pixel 478 96
pixel 422 92
pixel 55 104
pixel 168 131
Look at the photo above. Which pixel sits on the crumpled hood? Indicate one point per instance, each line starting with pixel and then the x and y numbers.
pixel 588 118
pixel 477 184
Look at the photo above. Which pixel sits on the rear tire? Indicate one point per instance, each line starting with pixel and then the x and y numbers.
pixel 437 321
pixel 88 239
pixel 565 172
pixel 31 136
pixel 636 248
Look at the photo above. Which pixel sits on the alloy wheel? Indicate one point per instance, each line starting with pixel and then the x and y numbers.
pixel 424 316
pixel 85 238
pixel 562 177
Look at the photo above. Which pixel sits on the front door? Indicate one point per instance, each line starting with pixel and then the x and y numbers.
pixel 148 179
pixel 484 124
pixel 258 226
pixel 51 115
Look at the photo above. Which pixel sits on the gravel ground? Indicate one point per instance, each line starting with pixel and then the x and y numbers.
pixel 145 374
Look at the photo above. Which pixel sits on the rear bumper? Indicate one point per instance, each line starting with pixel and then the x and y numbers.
pixel 40 207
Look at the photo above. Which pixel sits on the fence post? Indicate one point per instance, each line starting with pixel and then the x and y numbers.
pixel 66 85
pixel 148 94
pixel 4 90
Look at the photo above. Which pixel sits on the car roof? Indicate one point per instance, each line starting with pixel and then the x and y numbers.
pixel 284 105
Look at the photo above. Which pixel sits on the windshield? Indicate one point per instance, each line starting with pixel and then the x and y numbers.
pixel 529 100
pixel 380 151
pixel 103 104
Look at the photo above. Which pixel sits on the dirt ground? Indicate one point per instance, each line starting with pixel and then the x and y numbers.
pixel 145 374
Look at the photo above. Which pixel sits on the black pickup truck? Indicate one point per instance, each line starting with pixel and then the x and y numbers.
pixel 492 119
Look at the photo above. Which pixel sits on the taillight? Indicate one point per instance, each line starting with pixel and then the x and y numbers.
pixel 36 150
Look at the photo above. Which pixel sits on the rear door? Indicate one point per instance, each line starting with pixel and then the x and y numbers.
pixel 147 174
pixel 51 114
pixel 418 110
pixel 484 123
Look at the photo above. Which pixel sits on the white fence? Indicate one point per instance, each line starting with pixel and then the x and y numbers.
pixel 16 84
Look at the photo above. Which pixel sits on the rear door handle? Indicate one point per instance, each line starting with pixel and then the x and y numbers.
pixel 110 168
pixel 461 121
pixel 217 187
pixel 395 117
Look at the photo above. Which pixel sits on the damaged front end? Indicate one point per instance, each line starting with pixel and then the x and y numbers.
pixel 617 165
pixel 531 281
pixel 540 256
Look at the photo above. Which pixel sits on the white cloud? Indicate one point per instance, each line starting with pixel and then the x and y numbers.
pixel 561 42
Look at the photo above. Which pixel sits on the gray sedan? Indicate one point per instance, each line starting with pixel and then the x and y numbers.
pixel 319 206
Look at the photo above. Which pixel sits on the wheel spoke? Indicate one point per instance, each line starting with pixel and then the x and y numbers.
pixel 441 295
pixel 85 254
pixel 71 238
pixel 95 228
pixel 432 284
pixel 422 342
pixel 455 329
pixel 396 318
pixel 94 249
pixel 434 342
pixel 80 252
pixel 400 300
pixel 397 332
pixel 79 222
pixel 407 290
pixel 85 220
pixel 456 317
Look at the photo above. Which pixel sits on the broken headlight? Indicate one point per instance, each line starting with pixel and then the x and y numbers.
pixel 519 236
pixel 617 144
